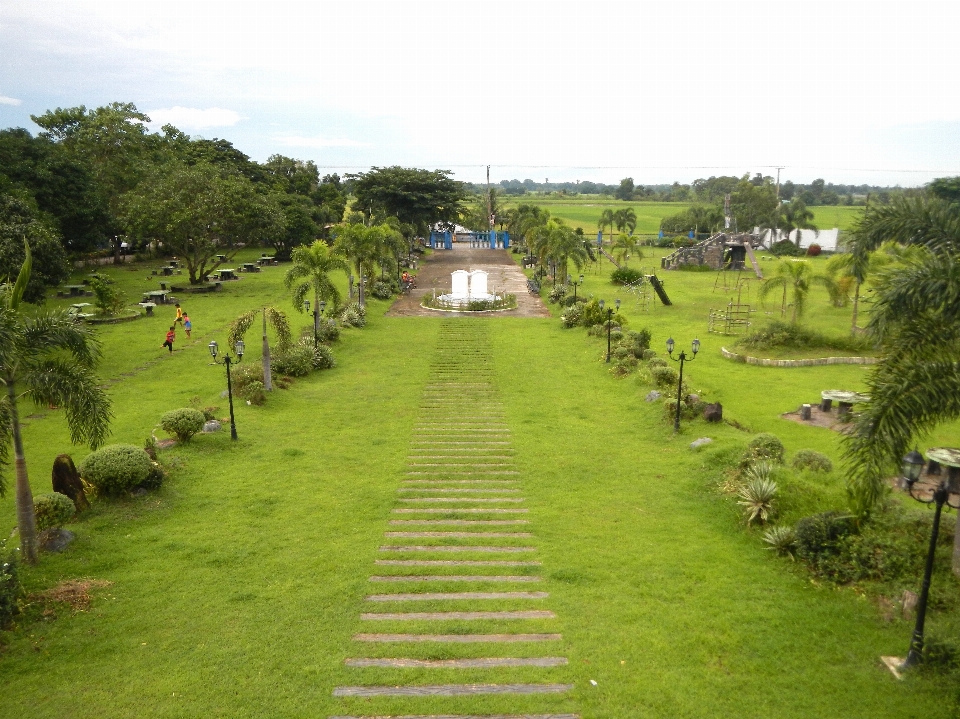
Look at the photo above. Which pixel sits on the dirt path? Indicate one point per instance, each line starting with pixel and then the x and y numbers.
pixel 503 274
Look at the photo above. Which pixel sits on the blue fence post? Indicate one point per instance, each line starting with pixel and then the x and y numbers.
pixel 447 241
pixel 506 240
pixel 432 240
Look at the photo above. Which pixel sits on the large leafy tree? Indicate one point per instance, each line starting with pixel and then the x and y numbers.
pixel 915 320
pixel 797 278
pixel 557 244
pixel 62 187
pixel 753 204
pixel 523 220
pixel 421 198
pixel 19 221
pixel 112 142
pixel 199 212
pixel 626 189
pixel 48 358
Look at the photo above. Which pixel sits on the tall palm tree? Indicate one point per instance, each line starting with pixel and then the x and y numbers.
pixel 915 319
pixel 797 277
pixel 625 220
pixel 795 216
pixel 606 220
pixel 624 248
pixel 363 247
pixel 49 358
pixel 312 265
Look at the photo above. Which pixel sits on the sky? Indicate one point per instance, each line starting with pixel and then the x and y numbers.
pixel 854 92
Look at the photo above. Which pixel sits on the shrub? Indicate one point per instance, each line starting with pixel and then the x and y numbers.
pixel 11 591
pixel 52 510
pixel 623 367
pixel 812 460
pixel 818 535
pixel 650 355
pixel 814 250
pixel 625 275
pixel 593 315
pixel 573 317
pixel 245 377
pixel 296 360
pixel 781 539
pixel 636 342
pixel 622 352
pixel 353 316
pixel 688 410
pixel 322 357
pixel 116 468
pixel 793 336
pixel 558 293
pixel 664 377
pixel 785 248
pixel 656 362
pixel 571 300
pixel 381 290
pixel 182 423
pixel 155 479
pixel 764 447
pixel 109 300
pixel 940 656
pixel 758 494
pixel 328 332
pixel 256 393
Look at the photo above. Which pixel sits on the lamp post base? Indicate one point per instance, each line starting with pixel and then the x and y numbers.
pixel 895 665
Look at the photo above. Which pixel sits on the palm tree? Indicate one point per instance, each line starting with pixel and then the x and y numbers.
pixel 49 358
pixel 525 219
pixel 625 220
pixel 795 216
pixel 606 220
pixel 624 248
pixel 280 325
pixel 796 276
pixel 362 246
pixel 915 319
pixel 312 265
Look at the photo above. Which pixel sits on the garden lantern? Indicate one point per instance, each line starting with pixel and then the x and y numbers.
pixel 911 469
pixel 238 349
pixel 609 322
pixel 695 346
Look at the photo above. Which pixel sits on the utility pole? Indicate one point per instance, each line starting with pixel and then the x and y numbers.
pixel 489 200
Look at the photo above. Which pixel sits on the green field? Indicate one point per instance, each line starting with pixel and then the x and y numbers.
pixel 581 212
pixel 236 588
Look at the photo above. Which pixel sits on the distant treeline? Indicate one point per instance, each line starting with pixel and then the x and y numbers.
pixel 706 190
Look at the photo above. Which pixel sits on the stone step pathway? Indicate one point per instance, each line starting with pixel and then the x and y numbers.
pixel 460 472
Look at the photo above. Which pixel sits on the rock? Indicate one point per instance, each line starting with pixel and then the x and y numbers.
pixel 223 395
pixel 212 426
pixel 692 398
pixel 54 539
pixel 698 443
pixel 909 602
pixel 653 396
pixel 713 412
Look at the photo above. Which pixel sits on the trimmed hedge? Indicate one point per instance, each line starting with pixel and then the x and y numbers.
pixel 117 468
pixel 183 423
pixel 52 510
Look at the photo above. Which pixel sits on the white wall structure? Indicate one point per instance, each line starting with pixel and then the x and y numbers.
pixel 460 284
pixel 827 239
pixel 478 283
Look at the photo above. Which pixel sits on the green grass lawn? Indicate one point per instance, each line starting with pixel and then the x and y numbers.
pixel 236 588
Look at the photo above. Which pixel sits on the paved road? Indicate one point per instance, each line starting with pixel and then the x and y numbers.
pixel 503 274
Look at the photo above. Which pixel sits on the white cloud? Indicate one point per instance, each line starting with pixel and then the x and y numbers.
pixel 192 118
pixel 4 100
pixel 298 141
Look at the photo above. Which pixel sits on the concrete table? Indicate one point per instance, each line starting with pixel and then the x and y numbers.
pixel 844 399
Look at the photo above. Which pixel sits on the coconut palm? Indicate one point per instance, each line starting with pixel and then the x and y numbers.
pixel 278 320
pixel 522 221
pixel 312 265
pixel 915 319
pixel 624 248
pixel 607 219
pixel 363 247
pixel 625 220
pixel 49 358
pixel 795 216
pixel 796 277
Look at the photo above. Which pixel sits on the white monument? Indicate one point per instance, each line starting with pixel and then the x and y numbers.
pixel 478 285
pixel 460 285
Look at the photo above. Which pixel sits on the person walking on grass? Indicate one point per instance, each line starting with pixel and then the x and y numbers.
pixel 187 324
pixel 179 317
pixel 171 337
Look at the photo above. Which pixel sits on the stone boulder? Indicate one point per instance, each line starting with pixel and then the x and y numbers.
pixel 653 396
pixel 713 412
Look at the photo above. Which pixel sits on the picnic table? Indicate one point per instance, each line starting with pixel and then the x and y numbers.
pixel 158 296
pixel 77 311
pixel 251 267
pixel 75 290
pixel 844 399
pixel 148 306
pixel 167 270
pixel 221 258
pixel 226 274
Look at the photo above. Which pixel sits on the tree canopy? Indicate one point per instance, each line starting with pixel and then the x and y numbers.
pixel 421 198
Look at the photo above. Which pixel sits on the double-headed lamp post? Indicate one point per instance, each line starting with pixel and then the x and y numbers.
pixel 681 359
pixel 317 311
pixel 575 288
pixel 938 496
pixel 228 360
pixel 609 321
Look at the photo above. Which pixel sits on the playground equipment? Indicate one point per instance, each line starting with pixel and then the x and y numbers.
pixel 717 251
pixel 733 319
pixel 641 289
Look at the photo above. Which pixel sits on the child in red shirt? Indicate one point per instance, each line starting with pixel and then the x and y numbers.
pixel 171 336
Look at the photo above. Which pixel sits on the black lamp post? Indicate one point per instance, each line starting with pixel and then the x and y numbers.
pixel 609 322
pixel 683 358
pixel 575 288
pixel 911 469
pixel 228 360
pixel 317 311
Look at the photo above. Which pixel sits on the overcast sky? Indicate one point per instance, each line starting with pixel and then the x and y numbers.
pixel 660 91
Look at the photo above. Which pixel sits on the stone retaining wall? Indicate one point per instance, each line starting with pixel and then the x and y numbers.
pixel 815 362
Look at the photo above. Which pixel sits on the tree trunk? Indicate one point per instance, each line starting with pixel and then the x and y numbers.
pixel 956 549
pixel 856 308
pixel 267 380
pixel 26 520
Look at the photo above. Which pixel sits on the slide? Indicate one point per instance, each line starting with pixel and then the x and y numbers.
pixel 753 259
pixel 658 288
